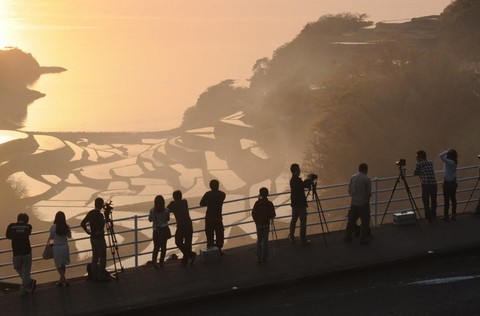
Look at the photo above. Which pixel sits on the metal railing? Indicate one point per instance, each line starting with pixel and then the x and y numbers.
pixel 134 233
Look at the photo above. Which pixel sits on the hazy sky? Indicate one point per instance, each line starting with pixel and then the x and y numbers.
pixel 139 64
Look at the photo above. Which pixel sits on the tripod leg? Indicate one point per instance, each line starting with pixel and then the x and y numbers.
pixel 391 196
pixel 412 203
pixel 471 194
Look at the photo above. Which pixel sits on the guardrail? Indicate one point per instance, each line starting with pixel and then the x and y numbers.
pixel 326 214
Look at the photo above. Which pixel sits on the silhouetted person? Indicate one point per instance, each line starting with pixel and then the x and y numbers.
pixel 184 232
pixel 213 200
pixel 94 225
pixel 19 234
pixel 59 233
pixel 159 216
pixel 424 169
pixel 263 212
pixel 449 185
pixel 360 191
pixel 299 204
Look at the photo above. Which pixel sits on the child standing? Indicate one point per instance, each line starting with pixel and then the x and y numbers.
pixel 263 212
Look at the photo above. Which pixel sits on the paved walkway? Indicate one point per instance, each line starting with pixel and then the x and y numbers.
pixel 239 271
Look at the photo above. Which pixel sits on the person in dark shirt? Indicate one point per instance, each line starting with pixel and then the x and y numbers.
pixel 184 232
pixel 263 212
pixel 19 234
pixel 424 169
pixel 213 200
pixel 299 204
pixel 94 225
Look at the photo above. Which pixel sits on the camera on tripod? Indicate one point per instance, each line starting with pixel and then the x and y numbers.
pixel 108 210
pixel 401 162
pixel 312 176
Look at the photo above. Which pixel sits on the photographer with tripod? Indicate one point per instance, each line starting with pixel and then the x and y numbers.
pixel 299 203
pixel 424 169
pixel 360 190
pixel 94 225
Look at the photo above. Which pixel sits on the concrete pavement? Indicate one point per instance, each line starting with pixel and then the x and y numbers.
pixel 238 270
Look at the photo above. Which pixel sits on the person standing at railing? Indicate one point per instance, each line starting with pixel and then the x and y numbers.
pixel 19 234
pixel 184 232
pixel 424 169
pixel 263 212
pixel 60 232
pixel 94 225
pixel 214 229
pixel 159 216
pixel 449 186
pixel 299 204
pixel 360 191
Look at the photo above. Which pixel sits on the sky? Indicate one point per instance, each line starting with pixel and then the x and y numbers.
pixel 139 64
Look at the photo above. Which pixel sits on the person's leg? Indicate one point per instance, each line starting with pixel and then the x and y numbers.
pixel 302 214
pixel 219 234
pixel 95 259
pixel 258 250
pixel 180 242
pixel 293 223
pixel 156 246
pixel 163 250
pixel 209 233
pixel 23 268
pixel 365 223
pixel 446 200
pixel 453 197
pixel 266 230
pixel 425 200
pixel 102 262
pixel 433 197
pixel 351 223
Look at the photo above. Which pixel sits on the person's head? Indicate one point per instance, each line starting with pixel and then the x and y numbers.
pixel 23 217
pixel 421 155
pixel 177 195
pixel 452 155
pixel 295 169
pixel 99 202
pixel 60 223
pixel 159 203
pixel 60 218
pixel 214 184
pixel 363 167
pixel 263 192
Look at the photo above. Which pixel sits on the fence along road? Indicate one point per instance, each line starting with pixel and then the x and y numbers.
pixel 135 246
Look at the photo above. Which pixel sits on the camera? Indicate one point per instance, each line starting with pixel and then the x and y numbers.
pixel 108 209
pixel 401 162
pixel 312 176
pixel 478 156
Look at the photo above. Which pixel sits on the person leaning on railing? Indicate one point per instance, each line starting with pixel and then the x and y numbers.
pixel 94 225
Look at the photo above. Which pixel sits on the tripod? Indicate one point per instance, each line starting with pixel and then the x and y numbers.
pixel 112 239
pixel 401 176
pixel 321 215
pixel 473 190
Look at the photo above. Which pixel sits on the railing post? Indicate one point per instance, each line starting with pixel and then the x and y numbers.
pixel 375 201
pixel 135 232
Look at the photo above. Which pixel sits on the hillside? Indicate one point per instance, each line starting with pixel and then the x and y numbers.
pixel 346 91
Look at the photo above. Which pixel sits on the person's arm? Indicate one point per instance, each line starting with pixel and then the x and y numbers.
pixel 255 211
pixel 417 169
pixel 69 232
pixel 150 215
pixel 8 233
pixel 443 155
pixel 272 212
pixel 369 188
pixel 84 224
pixel 204 200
